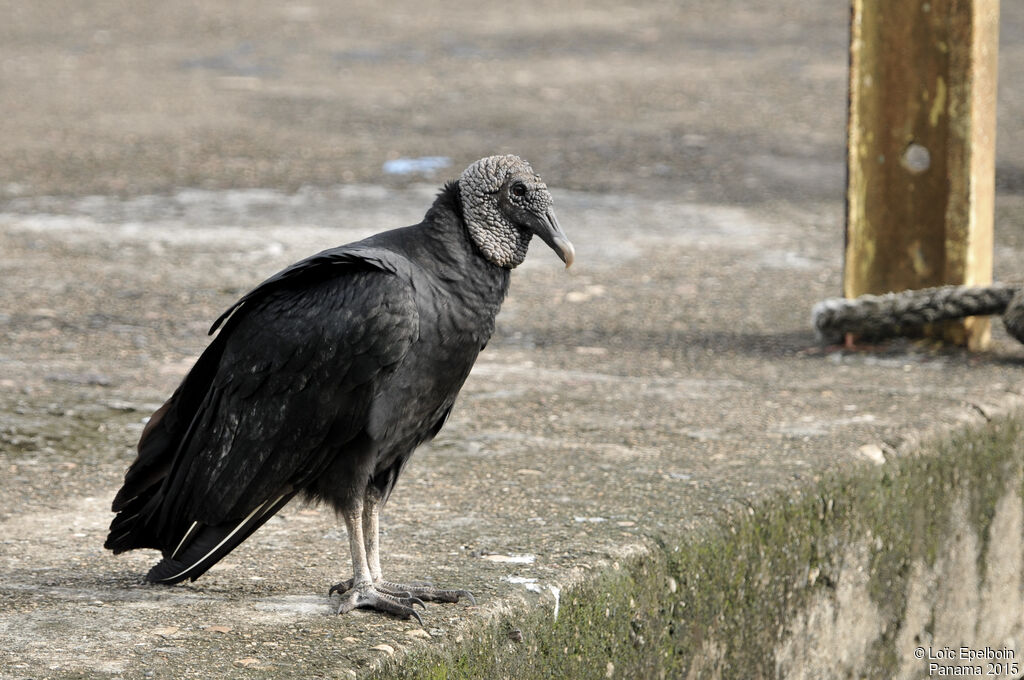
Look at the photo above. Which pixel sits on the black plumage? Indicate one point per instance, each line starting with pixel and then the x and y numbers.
pixel 325 378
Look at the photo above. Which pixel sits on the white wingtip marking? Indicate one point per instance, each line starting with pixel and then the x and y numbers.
pixel 188 534
pixel 214 549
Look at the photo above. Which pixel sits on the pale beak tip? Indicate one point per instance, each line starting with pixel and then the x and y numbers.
pixel 565 251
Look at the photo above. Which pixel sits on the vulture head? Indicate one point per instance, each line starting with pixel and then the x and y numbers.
pixel 505 203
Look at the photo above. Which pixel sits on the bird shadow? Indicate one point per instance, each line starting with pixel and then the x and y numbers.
pixel 79 584
pixel 657 340
pixel 786 344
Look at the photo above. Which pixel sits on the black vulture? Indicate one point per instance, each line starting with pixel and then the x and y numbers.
pixel 325 378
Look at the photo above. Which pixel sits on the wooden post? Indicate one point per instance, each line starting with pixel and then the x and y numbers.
pixel 921 149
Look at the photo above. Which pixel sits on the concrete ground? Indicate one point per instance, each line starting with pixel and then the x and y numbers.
pixel 158 161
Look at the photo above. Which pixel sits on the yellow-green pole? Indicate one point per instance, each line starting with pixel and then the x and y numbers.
pixel 921 149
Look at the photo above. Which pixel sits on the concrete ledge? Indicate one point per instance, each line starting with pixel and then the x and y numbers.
pixel 678 390
pixel 849 578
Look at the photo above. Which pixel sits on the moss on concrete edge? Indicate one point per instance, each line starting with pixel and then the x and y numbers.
pixel 730 601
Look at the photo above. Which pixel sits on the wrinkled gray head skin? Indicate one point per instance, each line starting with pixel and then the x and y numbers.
pixel 505 203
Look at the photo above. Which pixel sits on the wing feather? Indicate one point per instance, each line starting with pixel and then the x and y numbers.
pixel 288 381
pixel 293 387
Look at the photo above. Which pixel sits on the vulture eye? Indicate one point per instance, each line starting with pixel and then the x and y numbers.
pixel 518 189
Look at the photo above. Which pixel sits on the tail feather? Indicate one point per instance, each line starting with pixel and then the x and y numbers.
pixel 151 465
pixel 131 528
pixel 203 546
pixel 137 503
pixel 138 499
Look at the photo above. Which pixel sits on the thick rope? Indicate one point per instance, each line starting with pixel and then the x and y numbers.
pixel 1013 317
pixel 877 317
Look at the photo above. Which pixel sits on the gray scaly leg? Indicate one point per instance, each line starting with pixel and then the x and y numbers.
pixel 360 591
pixel 412 593
pixel 418 590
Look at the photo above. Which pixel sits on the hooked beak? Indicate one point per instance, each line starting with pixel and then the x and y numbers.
pixel 550 232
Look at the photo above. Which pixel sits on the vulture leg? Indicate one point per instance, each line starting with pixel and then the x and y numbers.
pixel 360 591
pixel 371 531
pixel 416 591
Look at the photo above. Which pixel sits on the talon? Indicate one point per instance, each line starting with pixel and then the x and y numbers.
pixel 421 590
pixel 341 588
pixel 369 597
pixel 397 599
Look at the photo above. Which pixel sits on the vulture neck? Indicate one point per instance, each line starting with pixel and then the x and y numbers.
pixel 454 259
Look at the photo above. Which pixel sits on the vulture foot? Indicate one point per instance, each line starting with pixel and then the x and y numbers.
pixel 370 597
pixel 418 591
pixel 425 591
